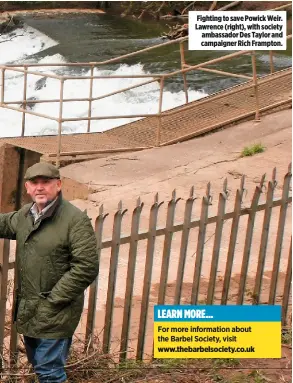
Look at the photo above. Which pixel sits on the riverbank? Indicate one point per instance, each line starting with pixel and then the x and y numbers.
pixel 137 9
pixel 53 11
pixel 174 13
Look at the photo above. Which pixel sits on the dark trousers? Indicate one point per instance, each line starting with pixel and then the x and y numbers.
pixel 48 357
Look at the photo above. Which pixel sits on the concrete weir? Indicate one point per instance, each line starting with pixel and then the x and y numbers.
pixel 179 124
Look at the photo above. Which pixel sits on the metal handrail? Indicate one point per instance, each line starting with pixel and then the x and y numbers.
pixel 160 77
pixel 122 57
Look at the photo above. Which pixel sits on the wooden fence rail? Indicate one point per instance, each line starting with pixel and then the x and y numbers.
pixel 264 257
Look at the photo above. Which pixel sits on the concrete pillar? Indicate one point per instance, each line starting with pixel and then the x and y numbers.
pixel 13 164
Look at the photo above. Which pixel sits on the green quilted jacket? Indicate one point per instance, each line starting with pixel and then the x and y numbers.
pixel 56 260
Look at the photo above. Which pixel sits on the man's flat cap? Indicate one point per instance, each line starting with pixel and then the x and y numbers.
pixel 42 169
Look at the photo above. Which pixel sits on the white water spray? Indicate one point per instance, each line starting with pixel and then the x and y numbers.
pixel 22 44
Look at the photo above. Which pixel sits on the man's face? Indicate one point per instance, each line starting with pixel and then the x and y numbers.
pixel 43 190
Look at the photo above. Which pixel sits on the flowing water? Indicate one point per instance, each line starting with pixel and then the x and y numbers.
pixel 87 38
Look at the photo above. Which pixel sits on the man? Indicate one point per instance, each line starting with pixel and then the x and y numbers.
pixel 56 260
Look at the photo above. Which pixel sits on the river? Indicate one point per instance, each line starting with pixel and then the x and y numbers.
pixel 98 37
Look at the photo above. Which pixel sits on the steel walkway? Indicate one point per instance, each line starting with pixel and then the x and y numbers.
pixel 185 122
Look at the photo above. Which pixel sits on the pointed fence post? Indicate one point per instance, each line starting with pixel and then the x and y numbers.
pixel 130 278
pixel 112 277
pixel 147 276
pixel 92 303
pixel 248 240
pixel 206 201
pixel 232 242
pixel 217 242
pixel 280 235
pixel 167 247
pixel 264 238
pixel 184 245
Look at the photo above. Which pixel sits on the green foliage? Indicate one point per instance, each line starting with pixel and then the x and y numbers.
pixel 287 336
pixel 239 378
pixel 166 363
pixel 226 362
pixel 252 150
pixel 258 377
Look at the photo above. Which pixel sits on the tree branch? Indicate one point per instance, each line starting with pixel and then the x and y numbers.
pixel 5 41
